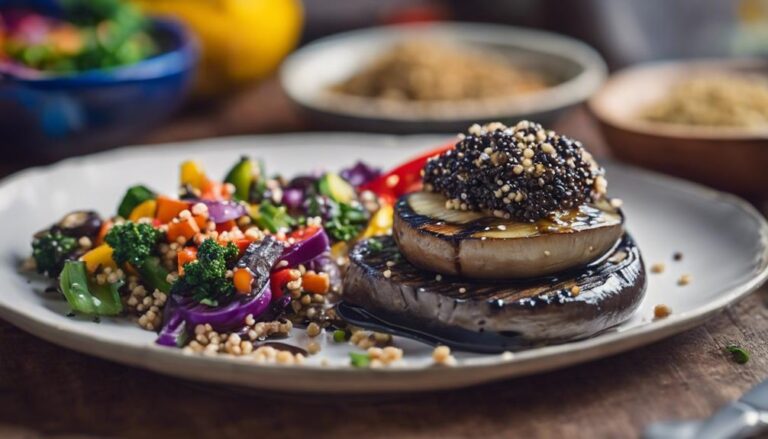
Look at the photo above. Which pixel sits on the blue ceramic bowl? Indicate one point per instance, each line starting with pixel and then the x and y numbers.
pixel 53 116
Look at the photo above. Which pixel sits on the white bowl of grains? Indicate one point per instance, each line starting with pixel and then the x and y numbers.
pixel 705 120
pixel 439 77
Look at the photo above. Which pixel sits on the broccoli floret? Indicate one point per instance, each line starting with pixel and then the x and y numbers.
pixel 132 243
pixel 51 250
pixel 205 278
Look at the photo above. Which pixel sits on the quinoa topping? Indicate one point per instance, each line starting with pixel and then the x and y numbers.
pixel 522 172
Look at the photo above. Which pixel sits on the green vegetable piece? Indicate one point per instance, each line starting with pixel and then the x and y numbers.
pixel 739 354
pixel 133 197
pixel 271 217
pixel 375 245
pixel 262 221
pixel 106 298
pixel 259 187
pixel 73 281
pixel 359 360
pixel 242 177
pixel 132 243
pixel 334 187
pixel 153 273
pixel 88 297
pixel 339 336
pixel 51 250
pixel 347 224
pixel 205 278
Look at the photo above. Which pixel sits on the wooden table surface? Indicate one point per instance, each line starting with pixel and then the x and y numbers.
pixel 47 390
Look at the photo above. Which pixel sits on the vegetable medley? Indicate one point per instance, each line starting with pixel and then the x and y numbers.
pixel 222 255
pixel 91 34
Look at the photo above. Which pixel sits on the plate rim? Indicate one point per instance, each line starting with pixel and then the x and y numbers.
pixel 538 360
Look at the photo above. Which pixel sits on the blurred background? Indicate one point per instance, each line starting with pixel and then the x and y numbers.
pixel 665 85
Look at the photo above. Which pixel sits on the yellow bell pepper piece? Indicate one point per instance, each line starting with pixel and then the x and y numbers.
pixel 146 209
pixel 100 256
pixel 380 223
pixel 193 174
pixel 339 250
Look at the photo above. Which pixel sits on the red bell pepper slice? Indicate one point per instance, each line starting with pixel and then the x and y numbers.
pixel 226 226
pixel 303 233
pixel 404 178
pixel 242 245
pixel 277 282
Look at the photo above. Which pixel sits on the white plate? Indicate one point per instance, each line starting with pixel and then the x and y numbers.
pixel 722 238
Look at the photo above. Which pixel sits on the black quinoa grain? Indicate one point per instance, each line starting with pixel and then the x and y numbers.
pixel 490 170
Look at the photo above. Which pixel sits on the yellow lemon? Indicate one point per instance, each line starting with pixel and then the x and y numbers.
pixel 242 40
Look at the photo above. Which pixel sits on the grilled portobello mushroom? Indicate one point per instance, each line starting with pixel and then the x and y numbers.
pixel 508 202
pixel 512 242
pixel 490 316
pixel 475 245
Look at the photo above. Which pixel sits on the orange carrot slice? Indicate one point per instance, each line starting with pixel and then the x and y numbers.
pixel 243 280
pixel 185 256
pixel 168 208
pixel 317 283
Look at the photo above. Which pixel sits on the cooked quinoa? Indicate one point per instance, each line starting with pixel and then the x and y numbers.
pixel 522 172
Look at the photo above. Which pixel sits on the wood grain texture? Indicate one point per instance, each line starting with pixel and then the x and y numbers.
pixel 47 390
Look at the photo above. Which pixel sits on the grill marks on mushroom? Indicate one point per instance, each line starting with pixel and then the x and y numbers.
pixel 476 246
pixel 571 305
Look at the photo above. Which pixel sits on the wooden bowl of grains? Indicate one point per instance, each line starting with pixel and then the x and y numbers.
pixel 705 120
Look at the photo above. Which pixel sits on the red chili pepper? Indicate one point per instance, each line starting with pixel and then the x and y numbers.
pixel 277 282
pixel 404 178
pixel 304 233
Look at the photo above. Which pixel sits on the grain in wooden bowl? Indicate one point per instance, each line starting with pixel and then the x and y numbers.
pixel 702 120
